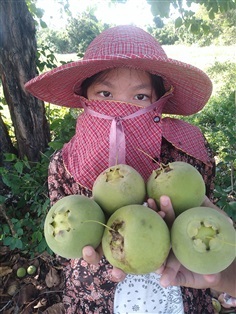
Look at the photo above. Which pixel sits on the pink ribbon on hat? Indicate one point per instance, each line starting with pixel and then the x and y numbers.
pixel 117 143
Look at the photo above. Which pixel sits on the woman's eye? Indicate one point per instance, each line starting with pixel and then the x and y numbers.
pixel 105 94
pixel 141 97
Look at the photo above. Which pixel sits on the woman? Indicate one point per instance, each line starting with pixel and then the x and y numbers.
pixel 125 82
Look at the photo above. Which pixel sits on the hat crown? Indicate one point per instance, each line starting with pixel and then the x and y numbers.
pixel 125 42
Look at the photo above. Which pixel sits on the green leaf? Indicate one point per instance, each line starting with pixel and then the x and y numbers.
pixel 6 229
pixel 19 166
pixel 194 28
pixel 37 236
pixel 8 241
pixel 20 232
pixel 160 7
pixel 43 24
pixel 178 22
pixel 18 244
pixel 10 157
pixel 56 145
pixel 211 14
pixel 205 28
pixel 231 210
pixel 39 12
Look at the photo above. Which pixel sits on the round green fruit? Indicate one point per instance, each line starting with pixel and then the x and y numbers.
pixel 21 272
pixel 31 270
pixel 136 240
pixel 181 182
pixel 203 240
pixel 72 223
pixel 118 186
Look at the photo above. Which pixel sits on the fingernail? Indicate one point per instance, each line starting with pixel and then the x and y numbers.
pixel 165 282
pixel 116 275
pixel 164 201
pixel 89 252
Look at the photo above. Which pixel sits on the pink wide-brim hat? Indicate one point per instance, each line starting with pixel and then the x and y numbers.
pixel 130 47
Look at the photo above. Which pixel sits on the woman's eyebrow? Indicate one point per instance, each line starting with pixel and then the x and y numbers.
pixel 142 86
pixel 134 88
pixel 106 83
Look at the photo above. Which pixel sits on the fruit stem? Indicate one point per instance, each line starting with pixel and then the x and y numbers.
pixel 100 223
pixel 142 151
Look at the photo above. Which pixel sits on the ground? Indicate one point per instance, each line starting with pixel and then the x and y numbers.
pixel 37 293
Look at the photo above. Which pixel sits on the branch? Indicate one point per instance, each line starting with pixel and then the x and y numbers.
pixel 8 220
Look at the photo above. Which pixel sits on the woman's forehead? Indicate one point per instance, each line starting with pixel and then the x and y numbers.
pixel 118 73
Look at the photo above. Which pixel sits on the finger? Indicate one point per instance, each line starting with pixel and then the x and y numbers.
pixel 167 208
pixel 171 270
pixel 91 256
pixel 117 275
pixel 160 270
pixel 152 204
pixel 208 203
pixel 213 280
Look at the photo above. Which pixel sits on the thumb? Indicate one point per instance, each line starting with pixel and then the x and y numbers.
pixel 170 272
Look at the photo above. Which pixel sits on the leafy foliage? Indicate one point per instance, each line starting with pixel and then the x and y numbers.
pixel 186 16
pixel 62 124
pixel 24 201
pixel 81 31
pixel 201 30
pixel 218 123
pixel 78 34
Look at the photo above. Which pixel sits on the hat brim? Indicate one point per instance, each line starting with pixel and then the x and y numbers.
pixel 192 87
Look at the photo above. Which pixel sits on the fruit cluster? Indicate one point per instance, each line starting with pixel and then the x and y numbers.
pixel 134 237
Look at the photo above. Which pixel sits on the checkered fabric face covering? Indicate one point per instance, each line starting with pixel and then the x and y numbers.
pixel 113 132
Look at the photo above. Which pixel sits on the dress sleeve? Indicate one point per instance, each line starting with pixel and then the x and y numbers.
pixel 88 288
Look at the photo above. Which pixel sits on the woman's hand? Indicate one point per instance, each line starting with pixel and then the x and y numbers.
pixel 93 257
pixel 175 274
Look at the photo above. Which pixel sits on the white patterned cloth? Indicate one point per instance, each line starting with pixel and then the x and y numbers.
pixel 144 294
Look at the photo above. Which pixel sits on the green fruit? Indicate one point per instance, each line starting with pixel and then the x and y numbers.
pixel 72 223
pixel 181 182
pixel 137 240
pixel 216 305
pixel 118 186
pixel 21 272
pixel 31 270
pixel 203 240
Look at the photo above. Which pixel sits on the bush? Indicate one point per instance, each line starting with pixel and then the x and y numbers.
pixel 217 121
pixel 24 202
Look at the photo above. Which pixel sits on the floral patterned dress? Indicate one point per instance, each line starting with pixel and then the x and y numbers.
pixel 88 288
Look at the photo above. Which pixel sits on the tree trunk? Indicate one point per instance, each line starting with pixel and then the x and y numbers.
pixel 17 66
pixel 5 142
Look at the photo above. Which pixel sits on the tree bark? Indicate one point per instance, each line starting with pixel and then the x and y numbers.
pixel 17 66
pixel 5 142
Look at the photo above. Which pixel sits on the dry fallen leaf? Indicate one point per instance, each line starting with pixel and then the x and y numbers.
pixel 52 278
pixel 5 270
